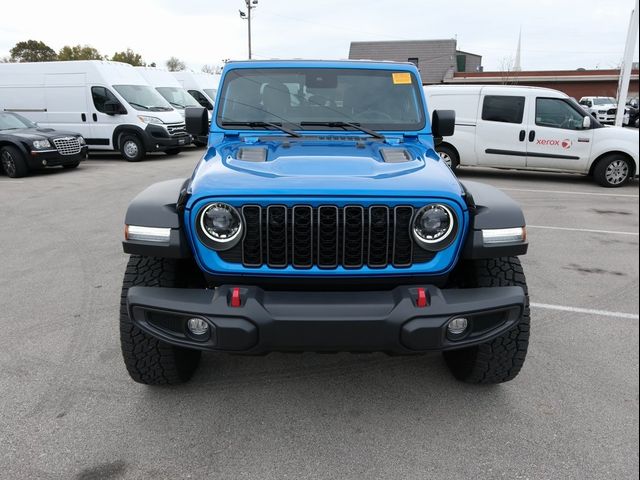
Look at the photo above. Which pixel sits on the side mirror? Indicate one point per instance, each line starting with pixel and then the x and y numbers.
pixel 196 120
pixel 586 122
pixel 112 108
pixel 443 123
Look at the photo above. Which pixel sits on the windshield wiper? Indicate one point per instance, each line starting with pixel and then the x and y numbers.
pixel 262 124
pixel 178 105
pixel 134 104
pixel 357 126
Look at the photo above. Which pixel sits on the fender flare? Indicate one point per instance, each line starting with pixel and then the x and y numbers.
pixel 491 208
pixel 160 205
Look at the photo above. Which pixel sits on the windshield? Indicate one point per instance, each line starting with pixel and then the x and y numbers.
pixel 178 97
pixel 604 101
pixel 211 93
pixel 321 99
pixel 13 121
pixel 143 98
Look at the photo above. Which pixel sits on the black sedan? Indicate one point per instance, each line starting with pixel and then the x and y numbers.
pixel 24 146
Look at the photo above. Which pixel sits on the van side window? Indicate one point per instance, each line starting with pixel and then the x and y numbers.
pixel 557 113
pixel 201 99
pixel 503 108
pixel 100 96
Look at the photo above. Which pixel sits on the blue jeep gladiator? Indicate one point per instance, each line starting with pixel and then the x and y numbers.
pixel 320 218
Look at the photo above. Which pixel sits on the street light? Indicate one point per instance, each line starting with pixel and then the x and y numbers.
pixel 251 4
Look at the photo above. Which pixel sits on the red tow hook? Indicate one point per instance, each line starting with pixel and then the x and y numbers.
pixel 422 299
pixel 236 301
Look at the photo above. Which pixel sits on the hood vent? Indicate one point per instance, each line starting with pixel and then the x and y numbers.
pixel 252 154
pixel 395 155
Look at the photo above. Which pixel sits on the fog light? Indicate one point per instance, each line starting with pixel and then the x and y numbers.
pixel 44 162
pixel 197 327
pixel 457 326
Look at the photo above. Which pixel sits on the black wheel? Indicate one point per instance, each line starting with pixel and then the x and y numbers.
pixel 173 151
pixel 449 156
pixel 131 148
pixel 13 163
pixel 71 166
pixel 149 360
pixel 612 170
pixel 501 359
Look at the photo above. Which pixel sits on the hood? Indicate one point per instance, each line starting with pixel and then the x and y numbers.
pixel 39 133
pixel 323 166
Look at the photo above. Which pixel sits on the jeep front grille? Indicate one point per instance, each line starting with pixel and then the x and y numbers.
pixel 327 236
pixel 67 145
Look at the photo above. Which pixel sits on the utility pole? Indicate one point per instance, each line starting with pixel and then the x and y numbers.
pixel 625 70
pixel 251 4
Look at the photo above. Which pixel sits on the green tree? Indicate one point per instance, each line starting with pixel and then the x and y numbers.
pixel 175 64
pixel 130 57
pixel 79 52
pixel 32 51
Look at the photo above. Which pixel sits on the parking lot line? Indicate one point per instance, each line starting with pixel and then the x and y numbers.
pixel 590 311
pixel 569 192
pixel 587 230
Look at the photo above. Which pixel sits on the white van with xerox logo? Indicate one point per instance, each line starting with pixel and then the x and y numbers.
pixel 532 128
pixel 108 103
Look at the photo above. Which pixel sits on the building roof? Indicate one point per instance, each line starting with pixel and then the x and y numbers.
pixel 539 76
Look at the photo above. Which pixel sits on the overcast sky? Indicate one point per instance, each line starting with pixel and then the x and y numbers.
pixel 556 34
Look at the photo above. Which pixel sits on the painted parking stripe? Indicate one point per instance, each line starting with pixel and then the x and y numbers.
pixel 588 311
pixel 587 230
pixel 569 192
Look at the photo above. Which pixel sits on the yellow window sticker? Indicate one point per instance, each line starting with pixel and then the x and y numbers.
pixel 401 78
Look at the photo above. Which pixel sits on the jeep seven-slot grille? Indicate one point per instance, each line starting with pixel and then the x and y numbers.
pixel 327 236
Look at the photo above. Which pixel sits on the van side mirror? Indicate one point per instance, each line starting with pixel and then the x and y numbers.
pixel 196 120
pixel 443 123
pixel 586 122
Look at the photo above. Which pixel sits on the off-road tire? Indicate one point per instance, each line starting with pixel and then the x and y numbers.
pixel 129 153
pixel 451 154
pixel 609 179
pixel 17 167
pixel 149 360
pixel 500 359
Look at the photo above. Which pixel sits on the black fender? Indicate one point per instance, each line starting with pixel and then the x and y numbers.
pixel 491 208
pixel 132 129
pixel 160 205
pixel 5 141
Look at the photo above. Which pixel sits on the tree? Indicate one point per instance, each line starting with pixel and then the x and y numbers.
pixel 128 56
pixel 32 51
pixel 175 64
pixel 79 52
pixel 212 69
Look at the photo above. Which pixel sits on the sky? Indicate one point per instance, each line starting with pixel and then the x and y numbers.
pixel 556 34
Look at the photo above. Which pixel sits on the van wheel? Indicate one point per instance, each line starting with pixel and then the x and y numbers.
pixel 612 171
pixel 132 148
pixel 449 156
pixel 13 162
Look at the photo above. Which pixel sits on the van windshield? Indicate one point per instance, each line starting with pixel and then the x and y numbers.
pixel 143 98
pixel 178 97
pixel 322 99
pixel 211 93
pixel 604 101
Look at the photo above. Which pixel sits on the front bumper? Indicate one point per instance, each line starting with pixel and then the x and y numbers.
pixel 265 321
pixel 52 158
pixel 157 139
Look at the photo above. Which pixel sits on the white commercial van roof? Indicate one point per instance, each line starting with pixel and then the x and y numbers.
pixel 158 77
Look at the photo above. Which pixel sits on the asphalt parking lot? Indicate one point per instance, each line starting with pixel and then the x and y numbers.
pixel 69 410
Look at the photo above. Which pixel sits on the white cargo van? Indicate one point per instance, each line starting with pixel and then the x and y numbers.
pixel 532 128
pixel 109 103
pixel 202 86
pixel 171 90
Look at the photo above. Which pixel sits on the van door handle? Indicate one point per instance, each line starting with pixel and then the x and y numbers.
pixel 532 135
pixel 95 117
pixel 522 135
pixel 84 117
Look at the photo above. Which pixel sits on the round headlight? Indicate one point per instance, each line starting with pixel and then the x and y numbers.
pixel 434 227
pixel 220 225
